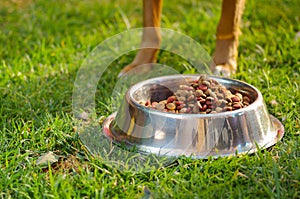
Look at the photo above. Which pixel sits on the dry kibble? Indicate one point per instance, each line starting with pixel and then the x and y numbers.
pixel 205 82
pixel 148 103
pixel 160 106
pixel 181 99
pixel 208 92
pixel 182 93
pixel 209 103
pixel 186 87
pixel 219 109
pixel 195 109
pixel 190 98
pixel 220 96
pixel 199 93
pixel 204 107
pixel 179 103
pixel 239 95
pixel 183 110
pixel 210 99
pixel 213 95
pixel 142 103
pixel 154 104
pixel 180 106
pixel 191 105
pixel 228 108
pixel 171 99
pixel 221 103
pixel 202 96
pixel 164 102
pixel 235 98
pixel 202 87
pixel 171 106
pixel 237 106
pixel 199 104
pixel 208 111
pixel 202 101
pixel 188 109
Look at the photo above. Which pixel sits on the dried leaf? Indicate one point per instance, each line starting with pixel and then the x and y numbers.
pixel 47 158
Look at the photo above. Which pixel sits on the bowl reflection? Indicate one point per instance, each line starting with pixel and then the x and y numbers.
pixel 197 135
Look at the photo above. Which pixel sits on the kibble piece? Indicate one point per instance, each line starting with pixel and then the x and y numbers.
pixel 204 107
pixel 142 103
pixel 209 103
pixel 237 106
pixel 188 109
pixel 191 98
pixel 202 101
pixel 180 106
pixel 171 99
pixel 199 93
pixel 183 110
pixel 240 96
pixel 163 102
pixel 154 104
pixel 208 111
pixel 210 99
pixel 228 108
pixel 160 106
pixel 171 106
pixel 219 109
pixel 186 87
pixel 202 87
pixel 182 93
pixel 205 82
pixel 181 99
pixel 148 103
pixel 235 99
pixel 179 103
pixel 191 105
pixel 220 96
pixel 195 109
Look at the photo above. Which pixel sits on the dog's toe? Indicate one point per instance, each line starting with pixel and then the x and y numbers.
pixel 223 70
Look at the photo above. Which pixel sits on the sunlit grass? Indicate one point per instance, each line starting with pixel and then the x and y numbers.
pixel 43 44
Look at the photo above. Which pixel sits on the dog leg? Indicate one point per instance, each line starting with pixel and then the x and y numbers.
pixel 151 37
pixel 228 31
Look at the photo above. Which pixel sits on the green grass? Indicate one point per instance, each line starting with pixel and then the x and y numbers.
pixel 43 44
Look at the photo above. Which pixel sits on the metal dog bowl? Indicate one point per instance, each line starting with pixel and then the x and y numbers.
pixel 197 135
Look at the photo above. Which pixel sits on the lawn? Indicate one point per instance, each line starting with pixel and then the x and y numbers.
pixel 44 43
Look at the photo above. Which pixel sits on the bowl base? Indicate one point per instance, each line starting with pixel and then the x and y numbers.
pixel 144 145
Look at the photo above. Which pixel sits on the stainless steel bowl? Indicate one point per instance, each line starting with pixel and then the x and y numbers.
pixel 197 135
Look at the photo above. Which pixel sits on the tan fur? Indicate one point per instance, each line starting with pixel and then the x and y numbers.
pixel 226 50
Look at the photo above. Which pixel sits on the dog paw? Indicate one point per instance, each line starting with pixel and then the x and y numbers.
pixel 143 57
pixel 224 70
pixel 126 69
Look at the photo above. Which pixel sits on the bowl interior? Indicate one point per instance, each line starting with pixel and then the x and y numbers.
pixel 159 89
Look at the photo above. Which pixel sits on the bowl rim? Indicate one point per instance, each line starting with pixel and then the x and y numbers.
pixel 130 99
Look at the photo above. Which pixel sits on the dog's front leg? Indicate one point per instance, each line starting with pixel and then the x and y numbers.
pixel 151 36
pixel 228 31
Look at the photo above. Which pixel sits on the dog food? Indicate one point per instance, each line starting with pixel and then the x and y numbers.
pixel 203 96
